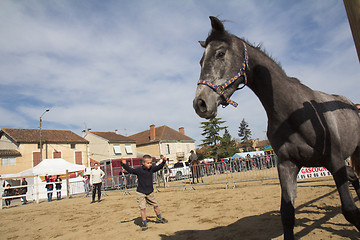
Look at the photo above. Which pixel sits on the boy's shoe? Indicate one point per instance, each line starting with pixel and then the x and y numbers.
pixel 144 226
pixel 161 220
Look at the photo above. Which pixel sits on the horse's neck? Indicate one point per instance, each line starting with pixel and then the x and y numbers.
pixel 278 93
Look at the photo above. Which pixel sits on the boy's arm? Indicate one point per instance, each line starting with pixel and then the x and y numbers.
pixel 127 167
pixel 160 166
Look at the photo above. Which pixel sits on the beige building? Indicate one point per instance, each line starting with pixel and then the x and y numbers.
pixel 110 145
pixel 20 148
pixel 166 141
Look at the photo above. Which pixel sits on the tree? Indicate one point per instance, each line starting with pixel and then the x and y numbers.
pixel 211 132
pixel 245 133
pixel 228 146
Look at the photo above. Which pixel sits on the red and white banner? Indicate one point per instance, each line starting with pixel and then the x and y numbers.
pixel 312 172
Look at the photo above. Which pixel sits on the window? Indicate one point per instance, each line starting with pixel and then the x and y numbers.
pixel 128 149
pixel 117 149
pixel 167 148
pixel 8 161
pixel 72 145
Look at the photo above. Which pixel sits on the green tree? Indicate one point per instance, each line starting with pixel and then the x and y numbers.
pixel 245 133
pixel 228 146
pixel 211 132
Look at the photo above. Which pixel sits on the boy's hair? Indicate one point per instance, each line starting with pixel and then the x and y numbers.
pixel 147 156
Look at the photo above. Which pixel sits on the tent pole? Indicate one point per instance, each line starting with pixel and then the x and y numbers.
pixel 37 188
pixel 1 193
pixel 67 184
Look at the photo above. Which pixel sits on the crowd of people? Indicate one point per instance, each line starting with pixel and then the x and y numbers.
pixel 257 161
pixel 12 192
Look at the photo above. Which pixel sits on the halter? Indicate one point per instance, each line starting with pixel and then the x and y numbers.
pixel 220 89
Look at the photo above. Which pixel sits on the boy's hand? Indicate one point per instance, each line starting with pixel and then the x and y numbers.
pixel 123 161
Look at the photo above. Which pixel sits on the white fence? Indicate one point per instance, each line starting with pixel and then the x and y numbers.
pixel 36 190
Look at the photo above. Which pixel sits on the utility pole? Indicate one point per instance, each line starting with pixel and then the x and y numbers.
pixel 41 146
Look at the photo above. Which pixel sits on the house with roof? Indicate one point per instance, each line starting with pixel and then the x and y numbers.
pixel 20 148
pixel 166 141
pixel 110 145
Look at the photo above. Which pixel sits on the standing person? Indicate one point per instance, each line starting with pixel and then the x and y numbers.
pixel 86 185
pixel 24 190
pixel 193 156
pixel 96 176
pixel 145 188
pixel 164 174
pixel 8 192
pixel 49 187
pixel 58 187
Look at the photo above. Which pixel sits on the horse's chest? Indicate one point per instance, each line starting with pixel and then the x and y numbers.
pixel 298 149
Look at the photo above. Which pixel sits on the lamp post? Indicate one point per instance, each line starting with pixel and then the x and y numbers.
pixel 41 158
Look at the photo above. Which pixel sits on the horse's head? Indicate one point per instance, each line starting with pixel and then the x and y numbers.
pixel 223 68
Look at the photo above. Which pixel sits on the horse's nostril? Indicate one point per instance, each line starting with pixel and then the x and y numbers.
pixel 202 105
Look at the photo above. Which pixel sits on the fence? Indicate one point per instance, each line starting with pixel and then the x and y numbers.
pixel 226 173
pixel 35 190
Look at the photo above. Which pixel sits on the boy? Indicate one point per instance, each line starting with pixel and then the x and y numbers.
pixel 144 191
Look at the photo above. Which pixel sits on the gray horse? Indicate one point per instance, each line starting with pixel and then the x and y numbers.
pixel 305 127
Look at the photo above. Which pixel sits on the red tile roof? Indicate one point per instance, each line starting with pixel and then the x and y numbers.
pixel 163 133
pixel 48 136
pixel 113 137
pixel 9 152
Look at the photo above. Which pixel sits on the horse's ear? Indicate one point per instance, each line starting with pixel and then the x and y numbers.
pixel 203 44
pixel 216 25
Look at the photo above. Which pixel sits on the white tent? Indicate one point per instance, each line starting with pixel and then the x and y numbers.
pixel 57 166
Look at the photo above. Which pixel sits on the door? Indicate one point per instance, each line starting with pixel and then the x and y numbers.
pixel 36 158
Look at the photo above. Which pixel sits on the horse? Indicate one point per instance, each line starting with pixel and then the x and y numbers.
pixel 305 127
pixel 196 168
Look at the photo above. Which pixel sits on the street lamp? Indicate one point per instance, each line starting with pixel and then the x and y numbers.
pixel 41 158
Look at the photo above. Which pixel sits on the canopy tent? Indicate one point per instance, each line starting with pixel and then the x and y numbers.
pixel 243 154
pixel 57 166
pixel 268 148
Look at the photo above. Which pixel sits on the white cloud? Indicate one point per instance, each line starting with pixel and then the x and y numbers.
pixel 128 64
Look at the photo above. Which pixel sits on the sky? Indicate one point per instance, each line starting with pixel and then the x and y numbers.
pixel 127 64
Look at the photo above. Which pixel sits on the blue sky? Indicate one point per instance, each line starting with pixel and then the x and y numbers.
pixel 127 64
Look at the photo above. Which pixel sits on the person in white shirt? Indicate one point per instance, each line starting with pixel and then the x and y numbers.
pixel 96 177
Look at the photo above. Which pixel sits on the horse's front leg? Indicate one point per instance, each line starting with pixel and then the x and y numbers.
pixel 287 174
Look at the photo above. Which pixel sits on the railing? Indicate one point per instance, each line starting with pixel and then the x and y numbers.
pixel 36 191
pixel 227 173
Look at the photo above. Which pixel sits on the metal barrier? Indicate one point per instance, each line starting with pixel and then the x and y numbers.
pixel 226 173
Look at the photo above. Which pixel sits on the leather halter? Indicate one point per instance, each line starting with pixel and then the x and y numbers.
pixel 220 89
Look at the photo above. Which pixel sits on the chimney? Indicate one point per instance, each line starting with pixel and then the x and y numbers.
pixel 152 132
pixel 116 131
pixel 83 133
pixel 182 130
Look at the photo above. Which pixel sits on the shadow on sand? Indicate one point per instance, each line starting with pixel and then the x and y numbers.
pixel 268 225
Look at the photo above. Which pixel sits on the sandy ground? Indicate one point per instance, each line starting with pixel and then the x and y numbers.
pixel 250 211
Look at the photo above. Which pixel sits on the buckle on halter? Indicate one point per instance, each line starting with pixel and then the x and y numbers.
pixel 220 89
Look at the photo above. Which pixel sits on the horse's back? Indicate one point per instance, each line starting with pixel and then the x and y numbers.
pixel 342 119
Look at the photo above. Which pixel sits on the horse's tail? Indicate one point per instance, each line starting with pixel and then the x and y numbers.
pixel 355 161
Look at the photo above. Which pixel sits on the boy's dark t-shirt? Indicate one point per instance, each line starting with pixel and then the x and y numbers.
pixel 145 176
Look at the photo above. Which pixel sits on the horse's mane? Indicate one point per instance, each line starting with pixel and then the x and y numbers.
pixel 226 37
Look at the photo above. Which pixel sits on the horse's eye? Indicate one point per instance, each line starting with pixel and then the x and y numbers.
pixel 220 55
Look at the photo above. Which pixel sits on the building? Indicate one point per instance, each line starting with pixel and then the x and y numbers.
pixel 110 145
pixel 20 148
pixel 166 141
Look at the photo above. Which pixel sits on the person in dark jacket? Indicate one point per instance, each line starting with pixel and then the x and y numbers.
pixel 24 190
pixel 58 187
pixel 8 192
pixel 49 187
pixel 145 188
